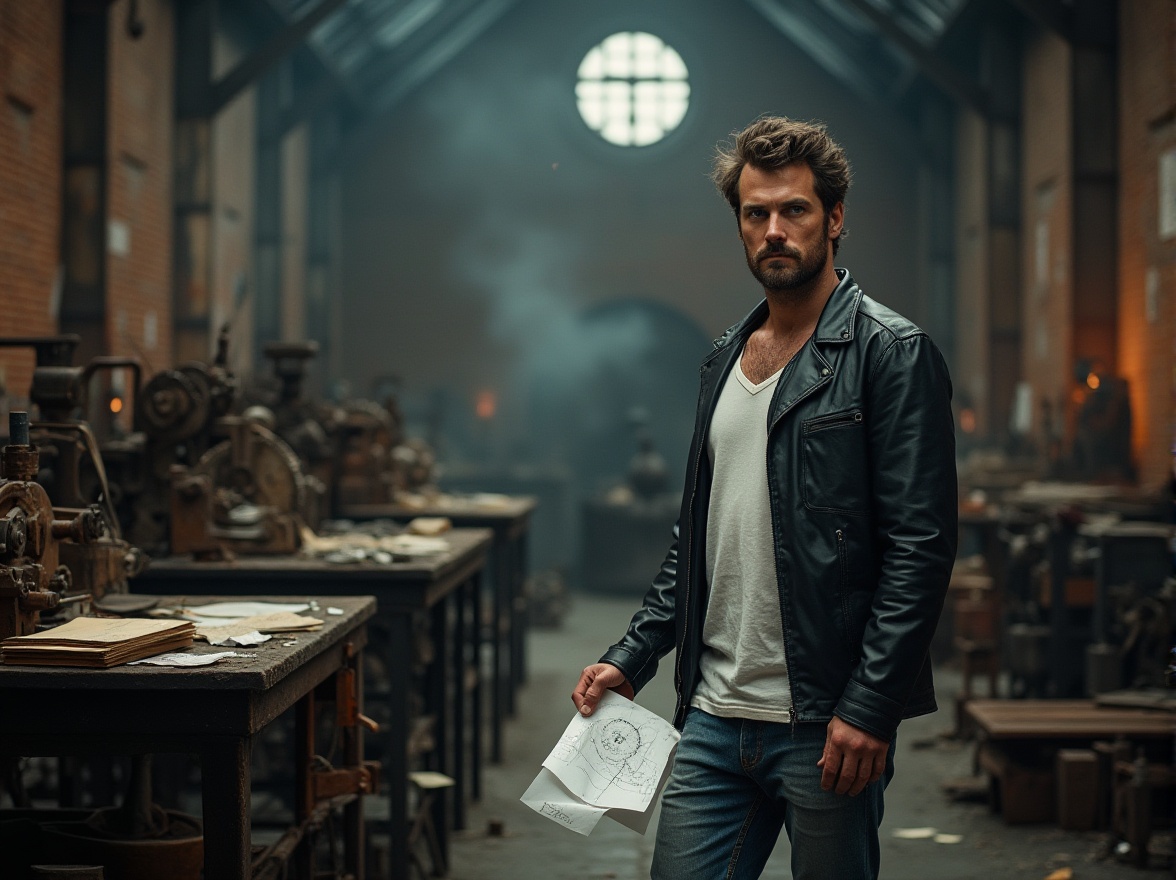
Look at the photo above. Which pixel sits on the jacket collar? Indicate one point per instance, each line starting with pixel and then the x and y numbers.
pixel 836 324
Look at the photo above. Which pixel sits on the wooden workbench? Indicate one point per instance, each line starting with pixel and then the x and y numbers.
pixel 510 520
pixel 210 711
pixel 1019 741
pixel 1061 720
pixel 446 587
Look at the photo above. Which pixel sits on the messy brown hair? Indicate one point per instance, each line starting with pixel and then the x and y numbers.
pixel 772 142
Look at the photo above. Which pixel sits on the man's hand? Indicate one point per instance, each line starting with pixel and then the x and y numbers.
pixel 594 681
pixel 852 758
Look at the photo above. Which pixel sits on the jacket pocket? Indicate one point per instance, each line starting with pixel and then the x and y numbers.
pixel 834 463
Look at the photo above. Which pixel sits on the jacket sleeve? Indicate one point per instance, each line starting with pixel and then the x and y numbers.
pixel 651 631
pixel 914 489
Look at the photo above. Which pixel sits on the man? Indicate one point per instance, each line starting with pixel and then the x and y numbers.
pixel 813 549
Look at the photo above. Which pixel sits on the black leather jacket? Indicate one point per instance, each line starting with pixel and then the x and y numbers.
pixel 862 483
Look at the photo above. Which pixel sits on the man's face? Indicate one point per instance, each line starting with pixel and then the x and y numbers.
pixel 787 236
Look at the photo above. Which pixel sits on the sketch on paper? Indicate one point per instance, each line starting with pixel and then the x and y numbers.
pixel 616 757
pixel 612 764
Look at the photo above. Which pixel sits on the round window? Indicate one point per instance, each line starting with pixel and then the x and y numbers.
pixel 632 89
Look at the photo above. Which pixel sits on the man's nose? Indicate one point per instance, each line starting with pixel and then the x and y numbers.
pixel 776 227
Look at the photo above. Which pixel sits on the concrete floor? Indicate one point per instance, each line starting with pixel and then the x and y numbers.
pixel 535 848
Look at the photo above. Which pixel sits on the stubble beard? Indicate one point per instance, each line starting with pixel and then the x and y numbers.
pixel 789 278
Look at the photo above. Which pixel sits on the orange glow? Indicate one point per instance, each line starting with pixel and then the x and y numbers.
pixel 968 421
pixel 1093 382
pixel 116 405
pixel 486 404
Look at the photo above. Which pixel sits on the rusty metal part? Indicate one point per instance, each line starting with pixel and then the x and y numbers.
pixel 244 494
pixel 331 783
pixel 365 472
pixel 172 406
pixel 50 558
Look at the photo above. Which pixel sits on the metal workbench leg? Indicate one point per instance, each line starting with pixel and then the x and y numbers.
pixel 352 740
pixel 500 633
pixel 225 780
pixel 504 576
pixel 474 638
pixel 460 695
pixel 521 607
pixel 396 745
pixel 304 750
pixel 438 706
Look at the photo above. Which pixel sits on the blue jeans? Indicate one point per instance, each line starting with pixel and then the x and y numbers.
pixel 735 782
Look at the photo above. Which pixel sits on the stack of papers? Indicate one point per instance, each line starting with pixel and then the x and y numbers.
pixel 97 642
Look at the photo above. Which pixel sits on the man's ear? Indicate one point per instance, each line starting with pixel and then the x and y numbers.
pixel 836 220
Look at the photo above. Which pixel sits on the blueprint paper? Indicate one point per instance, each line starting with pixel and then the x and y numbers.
pixel 613 763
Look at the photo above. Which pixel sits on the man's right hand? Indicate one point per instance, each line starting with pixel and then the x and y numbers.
pixel 594 681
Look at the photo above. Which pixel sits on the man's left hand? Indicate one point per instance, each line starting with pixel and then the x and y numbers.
pixel 852 758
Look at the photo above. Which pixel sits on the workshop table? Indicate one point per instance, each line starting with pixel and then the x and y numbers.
pixel 446 586
pixel 211 711
pixel 509 517
pixel 1018 741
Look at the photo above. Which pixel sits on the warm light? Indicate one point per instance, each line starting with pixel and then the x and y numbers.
pixel 486 404
pixel 1093 382
pixel 116 405
pixel 968 421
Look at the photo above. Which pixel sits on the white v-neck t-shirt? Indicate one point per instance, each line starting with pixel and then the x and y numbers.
pixel 743 669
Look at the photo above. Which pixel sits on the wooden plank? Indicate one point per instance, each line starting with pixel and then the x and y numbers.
pixel 1066 719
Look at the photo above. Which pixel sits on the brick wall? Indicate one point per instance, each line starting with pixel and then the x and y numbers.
pixel 1047 231
pixel 138 291
pixel 30 177
pixel 1147 262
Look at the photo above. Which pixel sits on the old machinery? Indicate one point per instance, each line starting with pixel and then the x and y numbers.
pixel 33 576
pixel 71 468
pixel 176 412
pixel 243 495
pixel 308 428
pixel 365 469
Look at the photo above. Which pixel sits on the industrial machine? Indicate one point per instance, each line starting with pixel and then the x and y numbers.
pixel 175 419
pixel 309 428
pixel 35 539
pixel 365 467
pixel 245 494
pixel 70 467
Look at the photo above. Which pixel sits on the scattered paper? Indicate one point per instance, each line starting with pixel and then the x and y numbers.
pixel 914 833
pixel 948 838
pixel 613 763
pixel 335 611
pixel 241 640
pixel 244 609
pixel 264 623
pixel 186 659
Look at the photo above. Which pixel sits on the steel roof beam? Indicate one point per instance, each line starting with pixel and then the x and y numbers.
pixel 220 93
pixel 954 84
